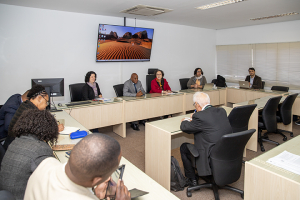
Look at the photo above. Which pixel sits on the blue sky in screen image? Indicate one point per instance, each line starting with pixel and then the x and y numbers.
pixel 121 30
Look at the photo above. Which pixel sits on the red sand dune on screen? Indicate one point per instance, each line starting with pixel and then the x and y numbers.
pixel 114 50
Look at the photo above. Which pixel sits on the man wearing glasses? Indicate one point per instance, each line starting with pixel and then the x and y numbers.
pixel 37 99
pixel 208 124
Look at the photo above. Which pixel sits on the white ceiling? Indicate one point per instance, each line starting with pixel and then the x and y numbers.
pixel 184 12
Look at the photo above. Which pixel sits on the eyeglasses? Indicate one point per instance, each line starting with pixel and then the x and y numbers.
pixel 194 104
pixel 45 100
pixel 199 71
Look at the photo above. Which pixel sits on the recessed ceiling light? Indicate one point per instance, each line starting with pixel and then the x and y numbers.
pixel 274 16
pixel 221 3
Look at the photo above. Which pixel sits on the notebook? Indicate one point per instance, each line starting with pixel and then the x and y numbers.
pixel 244 84
pixel 208 86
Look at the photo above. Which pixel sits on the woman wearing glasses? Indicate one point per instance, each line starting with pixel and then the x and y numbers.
pixel 159 84
pixel 34 130
pixel 198 80
pixel 38 99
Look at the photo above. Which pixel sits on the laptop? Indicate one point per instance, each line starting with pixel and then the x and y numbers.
pixel 244 84
pixel 208 86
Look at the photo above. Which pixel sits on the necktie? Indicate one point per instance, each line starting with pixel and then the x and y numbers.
pixel 135 88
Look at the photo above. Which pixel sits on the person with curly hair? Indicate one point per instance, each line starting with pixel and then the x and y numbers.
pixel 37 99
pixel 91 89
pixel 34 130
pixel 198 80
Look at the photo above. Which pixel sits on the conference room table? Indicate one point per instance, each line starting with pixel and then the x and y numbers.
pixel 266 181
pixel 133 177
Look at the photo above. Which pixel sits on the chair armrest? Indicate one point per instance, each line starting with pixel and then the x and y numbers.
pixel 193 150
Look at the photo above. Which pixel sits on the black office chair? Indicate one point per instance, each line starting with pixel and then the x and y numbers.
pixel 119 90
pixel 284 113
pixel 1 106
pixel 149 78
pixel 263 84
pixel 239 117
pixel 225 161
pixel 76 91
pixel 268 121
pixel 183 83
pixel 280 88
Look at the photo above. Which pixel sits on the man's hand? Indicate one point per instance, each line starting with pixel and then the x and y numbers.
pixel 139 94
pixel 100 190
pixel 122 191
pixel 61 127
pixel 100 96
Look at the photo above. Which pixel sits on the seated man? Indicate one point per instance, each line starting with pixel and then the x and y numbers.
pixel 254 80
pixel 91 163
pixel 208 124
pixel 133 88
pixel 8 110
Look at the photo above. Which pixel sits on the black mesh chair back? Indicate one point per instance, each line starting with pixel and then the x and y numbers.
pixel 183 83
pixel 76 91
pixel 263 85
pixel 269 114
pixel 152 70
pixel 285 109
pixel 227 155
pixel 239 117
pixel 280 88
pixel 119 90
pixel 149 78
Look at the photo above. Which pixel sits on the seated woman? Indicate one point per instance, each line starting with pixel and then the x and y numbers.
pixel 198 80
pixel 34 129
pixel 159 84
pixel 91 89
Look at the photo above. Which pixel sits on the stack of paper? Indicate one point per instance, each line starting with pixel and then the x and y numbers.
pixel 287 161
pixel 68 129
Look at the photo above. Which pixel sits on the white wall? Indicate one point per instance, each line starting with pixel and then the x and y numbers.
pixel 268 33
pixel 38 43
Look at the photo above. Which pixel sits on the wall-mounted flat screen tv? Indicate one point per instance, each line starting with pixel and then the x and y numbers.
pixel 123 43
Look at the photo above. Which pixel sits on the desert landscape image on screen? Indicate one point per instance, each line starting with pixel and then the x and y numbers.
pixel 121 43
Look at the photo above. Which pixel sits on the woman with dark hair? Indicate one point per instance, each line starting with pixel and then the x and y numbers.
pixel 38 99
pixel 91 89
pixel 198 80
pixel 34 130
pixel 159 84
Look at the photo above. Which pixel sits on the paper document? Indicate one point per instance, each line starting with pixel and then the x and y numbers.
pixel 68 129
pixel 103 99
pixel 287 161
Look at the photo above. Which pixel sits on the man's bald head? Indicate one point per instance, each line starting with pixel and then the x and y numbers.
pixel 134 78
pixel 96 155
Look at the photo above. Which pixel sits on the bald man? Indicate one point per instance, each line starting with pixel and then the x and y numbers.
pixel 91 163
pixel 133 88
pixel 208 124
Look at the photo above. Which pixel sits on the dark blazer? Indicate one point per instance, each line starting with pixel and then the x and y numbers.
pixel 208 126
pixel 20 160
pixel 155 87
pixel 7 112
pixel 256 82
pixel 11 136
pixel 88 92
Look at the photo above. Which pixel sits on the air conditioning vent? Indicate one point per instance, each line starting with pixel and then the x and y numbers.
pixel 146 10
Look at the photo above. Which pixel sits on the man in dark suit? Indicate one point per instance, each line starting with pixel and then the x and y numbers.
pixel 254 80
pixel 208 125
pixel 8 110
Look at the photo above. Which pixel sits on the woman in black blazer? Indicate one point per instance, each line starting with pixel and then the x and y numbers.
pixel 91 89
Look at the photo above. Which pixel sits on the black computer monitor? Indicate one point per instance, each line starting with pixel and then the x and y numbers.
pixel 53 86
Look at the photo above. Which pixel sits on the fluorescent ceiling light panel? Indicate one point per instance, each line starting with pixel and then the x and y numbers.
pixel 274 16
pixel 221 3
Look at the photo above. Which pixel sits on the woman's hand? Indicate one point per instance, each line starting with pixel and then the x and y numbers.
pixel 100 96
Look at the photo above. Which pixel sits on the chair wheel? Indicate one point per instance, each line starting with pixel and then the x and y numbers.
pixel 292 135
pixel 188 194
pixel 284 139
pixel 262 149
pixel 242 195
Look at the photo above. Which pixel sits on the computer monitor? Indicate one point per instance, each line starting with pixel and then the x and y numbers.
pixel 53 86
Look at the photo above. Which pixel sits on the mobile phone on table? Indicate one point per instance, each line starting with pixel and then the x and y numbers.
pixel 112 184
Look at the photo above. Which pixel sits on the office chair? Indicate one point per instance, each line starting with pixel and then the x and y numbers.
pixel 280 88
pixel 149 78
pixel 225 161
pixel 263 84
pixel 183 83
pixel 1 106
pixel 239 117
pixel 76 91
pixel 268 121
pixel 284 113
pixel 119 90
